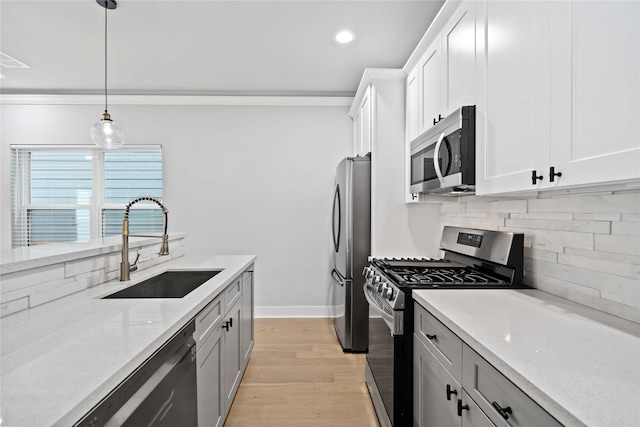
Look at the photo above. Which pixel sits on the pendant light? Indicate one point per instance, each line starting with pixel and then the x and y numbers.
pixel 105 133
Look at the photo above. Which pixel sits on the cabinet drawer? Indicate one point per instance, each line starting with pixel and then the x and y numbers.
pixel 207 320
pixel 503 402
pixel 232 293
pixel 444 344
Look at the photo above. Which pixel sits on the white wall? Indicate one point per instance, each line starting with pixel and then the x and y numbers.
pixel 582 247
pixel 238 179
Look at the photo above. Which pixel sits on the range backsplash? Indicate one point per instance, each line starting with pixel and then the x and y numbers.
pixel 584 247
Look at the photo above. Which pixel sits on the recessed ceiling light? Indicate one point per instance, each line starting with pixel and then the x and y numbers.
pixel 345 36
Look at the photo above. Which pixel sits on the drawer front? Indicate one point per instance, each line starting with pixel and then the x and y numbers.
pixel 472 415
pixel 207 320
pixel 503 402
pixel 232 293
pixel 444 344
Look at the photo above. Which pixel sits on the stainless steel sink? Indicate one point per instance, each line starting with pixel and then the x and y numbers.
pixel 170 284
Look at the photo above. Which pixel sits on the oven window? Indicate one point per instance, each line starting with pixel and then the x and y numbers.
pixel 380 360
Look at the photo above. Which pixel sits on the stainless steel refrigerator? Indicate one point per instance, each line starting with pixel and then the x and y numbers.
pixel 351 229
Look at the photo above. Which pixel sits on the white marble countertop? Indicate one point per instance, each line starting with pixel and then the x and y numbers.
pixel 60 359
pixel 581 365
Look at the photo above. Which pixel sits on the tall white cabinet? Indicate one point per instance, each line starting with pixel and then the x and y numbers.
pixel 558 103
pixel 394 224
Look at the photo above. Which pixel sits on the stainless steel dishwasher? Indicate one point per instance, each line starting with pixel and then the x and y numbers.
pixel 161 392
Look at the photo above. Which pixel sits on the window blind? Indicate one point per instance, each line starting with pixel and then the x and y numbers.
pixel 78 193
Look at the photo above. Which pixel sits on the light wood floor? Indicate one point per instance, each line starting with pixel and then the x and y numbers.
pixel 299 376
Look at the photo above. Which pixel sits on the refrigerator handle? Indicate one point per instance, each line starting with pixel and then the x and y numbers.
pixel 336 237
pixel 336 277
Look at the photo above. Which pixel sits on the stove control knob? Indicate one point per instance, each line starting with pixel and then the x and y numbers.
pixel 376 280
pixel 381 286
pixel 368 272
pixel 387 293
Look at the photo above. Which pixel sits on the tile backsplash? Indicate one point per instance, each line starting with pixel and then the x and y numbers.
pixel 25 289
pixel 584 247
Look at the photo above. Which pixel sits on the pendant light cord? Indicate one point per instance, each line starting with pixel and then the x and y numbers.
pixel 105 59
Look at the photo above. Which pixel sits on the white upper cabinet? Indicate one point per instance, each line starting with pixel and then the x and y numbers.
pixel 459 58
pixel 430 71
pixel 595 117
pixel 512 112
pixel 362 125
pixel 560 88
pixel 413 99
pixel 442 79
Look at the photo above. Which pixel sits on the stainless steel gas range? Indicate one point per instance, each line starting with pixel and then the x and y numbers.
pixel 473 259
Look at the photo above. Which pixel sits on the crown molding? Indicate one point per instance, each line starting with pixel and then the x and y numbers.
pixel 285 101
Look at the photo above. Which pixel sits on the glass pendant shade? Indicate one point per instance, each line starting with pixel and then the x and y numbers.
pixel 106 134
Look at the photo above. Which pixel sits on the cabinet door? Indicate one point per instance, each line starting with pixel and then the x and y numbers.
pixel 362 130
pixel 208 359
pixel 430 67
pixel 231 354
pixel 459 58
pixel 512 114
pixel 472 415
pixel 595 135
pixel 413 99
pixel 432 385
pixel 247 317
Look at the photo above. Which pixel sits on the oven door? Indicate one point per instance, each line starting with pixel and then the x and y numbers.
pixel 384 368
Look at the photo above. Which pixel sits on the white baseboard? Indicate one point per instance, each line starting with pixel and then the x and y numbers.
pixel 295 311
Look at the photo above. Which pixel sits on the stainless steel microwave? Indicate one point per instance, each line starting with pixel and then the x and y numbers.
pixel 443 159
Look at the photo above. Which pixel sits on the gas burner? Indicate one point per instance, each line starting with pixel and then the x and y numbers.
pixel 443 277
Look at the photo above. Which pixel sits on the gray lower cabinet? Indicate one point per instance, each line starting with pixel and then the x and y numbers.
pixel 247 316
pixel 224 341
pixel 435 391
pixel 209 359
pixel 454 386
pixel 438 399
pixel 231 354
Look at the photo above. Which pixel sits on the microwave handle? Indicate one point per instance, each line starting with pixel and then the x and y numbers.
pixel 436 156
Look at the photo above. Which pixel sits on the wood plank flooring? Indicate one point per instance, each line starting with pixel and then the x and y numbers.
pixel 299 376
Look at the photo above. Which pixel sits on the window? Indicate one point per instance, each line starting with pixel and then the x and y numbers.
pixel 77 193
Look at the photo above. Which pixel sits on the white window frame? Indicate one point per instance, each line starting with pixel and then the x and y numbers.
pixel 20 203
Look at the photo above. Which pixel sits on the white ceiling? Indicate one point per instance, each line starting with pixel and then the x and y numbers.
pixel 206 47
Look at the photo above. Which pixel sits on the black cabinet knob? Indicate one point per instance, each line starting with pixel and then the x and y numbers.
pixel 431 337
pixel 461 407
pixel 553 174
pixel 535 177
pixel 504 412
pixel 450 392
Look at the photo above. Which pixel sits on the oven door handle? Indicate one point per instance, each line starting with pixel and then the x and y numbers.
pixel 388 319
pixel 436 157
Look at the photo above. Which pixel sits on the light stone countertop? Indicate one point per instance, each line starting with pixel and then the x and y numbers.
pixel 581 365
pixel 60 359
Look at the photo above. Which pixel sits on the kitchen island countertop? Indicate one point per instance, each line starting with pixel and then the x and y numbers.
pixel 581 365
pixel 61 358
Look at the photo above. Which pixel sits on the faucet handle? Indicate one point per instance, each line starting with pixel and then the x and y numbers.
pixel 134 266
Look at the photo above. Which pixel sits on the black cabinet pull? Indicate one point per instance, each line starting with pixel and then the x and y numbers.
pixel 431 337
pixel 450 392
pixel 502 411
pixel 461 408
pixel 231 321
pixel 553 174
pixel 436 121
pixel 225 326
pixel 535 177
